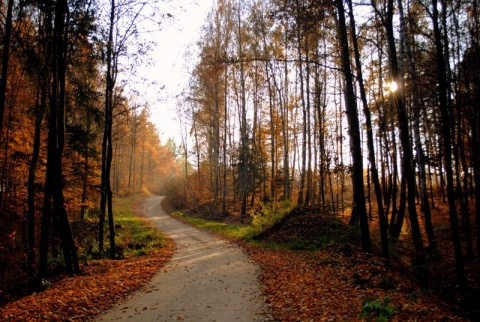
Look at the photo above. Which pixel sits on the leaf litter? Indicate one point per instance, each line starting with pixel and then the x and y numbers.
pixel 332 284
pixel 81 298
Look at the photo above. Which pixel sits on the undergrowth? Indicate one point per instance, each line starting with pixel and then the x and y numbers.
pixel 133 235
pixel 280 226
pixel 270 214
pixel 236 231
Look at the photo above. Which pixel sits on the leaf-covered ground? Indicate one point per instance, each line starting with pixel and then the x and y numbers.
pixel 332 284
pixel 83 297
pixel 337 280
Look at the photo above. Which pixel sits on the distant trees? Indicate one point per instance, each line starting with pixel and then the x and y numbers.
pixel 283 66
pixel 52 98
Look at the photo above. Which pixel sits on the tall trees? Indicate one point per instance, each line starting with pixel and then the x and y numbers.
pixel 370 142
pixel 383 43
pixel 407 155
pixel 56 142
pixel 447 142
pixel 121 23
pixel 50 97
pixel 359 208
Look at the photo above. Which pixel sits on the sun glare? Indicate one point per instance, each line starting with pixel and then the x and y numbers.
pixel 393 86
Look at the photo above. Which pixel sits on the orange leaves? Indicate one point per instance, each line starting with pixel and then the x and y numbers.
pixel 330 286
pixel 83 297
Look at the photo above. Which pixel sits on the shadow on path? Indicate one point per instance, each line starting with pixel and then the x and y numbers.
pixel 208 279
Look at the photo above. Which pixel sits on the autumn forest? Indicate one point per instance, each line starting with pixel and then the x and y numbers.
pixel 365 111
pixel 368 109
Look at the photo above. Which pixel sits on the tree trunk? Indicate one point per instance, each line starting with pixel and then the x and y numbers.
pixel 40 108
pixel 371 148
pixel 86 166
pixel 358 209
pixel 56 142
pixel 408 170
pixel 304 110
pixel 7 31
pixel 447 144
pixel 106 191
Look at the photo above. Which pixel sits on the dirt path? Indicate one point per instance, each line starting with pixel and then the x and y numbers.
pixel 208 279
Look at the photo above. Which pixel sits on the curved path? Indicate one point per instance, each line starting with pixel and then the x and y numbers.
pixel 207 279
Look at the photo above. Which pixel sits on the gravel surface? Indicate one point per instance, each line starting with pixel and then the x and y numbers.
pixel 208 279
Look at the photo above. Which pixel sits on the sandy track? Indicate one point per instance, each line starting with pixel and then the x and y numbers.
pixel 208 279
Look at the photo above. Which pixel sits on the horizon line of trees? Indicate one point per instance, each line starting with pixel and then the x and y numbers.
pixel 368 106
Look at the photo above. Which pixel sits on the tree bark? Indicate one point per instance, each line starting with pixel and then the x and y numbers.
pixel 371 148
pixel 54 200
pixel 7 32
pixel 359 208
pixel 447 144
pixel 408 170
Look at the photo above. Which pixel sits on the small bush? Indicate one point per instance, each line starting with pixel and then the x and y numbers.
pixel 378 311
pixel 269 214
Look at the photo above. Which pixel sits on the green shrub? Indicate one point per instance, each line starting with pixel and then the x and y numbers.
pixel 376 310
pixel 269 214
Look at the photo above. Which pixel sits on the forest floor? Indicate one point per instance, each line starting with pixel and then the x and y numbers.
pixel 80 298
pixel 313 270
pixel 338 282
pixel 342 283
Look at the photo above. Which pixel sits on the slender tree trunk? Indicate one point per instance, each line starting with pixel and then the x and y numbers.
pixel 475 119
pixel 273 160
pixel 359 208
pixel 106 192
pixel 86 166
pixel 407 149
pixel 40 108
pixel 308 192
pixel 304 111
pixel 244 137
pixel 371 148
pixel 447 144
pixel 225 118
pixel 48 188
pixel 7 31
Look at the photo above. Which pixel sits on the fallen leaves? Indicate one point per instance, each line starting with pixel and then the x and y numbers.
pixel 83 297
pixel 328 285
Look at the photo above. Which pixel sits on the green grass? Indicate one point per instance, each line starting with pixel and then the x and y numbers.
pixel 236 231
pixel 134 235
pixel 334 235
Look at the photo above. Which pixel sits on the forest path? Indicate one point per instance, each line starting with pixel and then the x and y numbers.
pixel 207 279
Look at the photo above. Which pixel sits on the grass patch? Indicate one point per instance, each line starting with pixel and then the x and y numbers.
pixel 134 235
pixel 236 231
pixel 293 234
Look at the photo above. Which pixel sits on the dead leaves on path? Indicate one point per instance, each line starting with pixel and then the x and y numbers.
pixel 330 286
pixel 83 297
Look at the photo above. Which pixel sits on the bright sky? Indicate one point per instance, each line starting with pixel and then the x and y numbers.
pixel 177 36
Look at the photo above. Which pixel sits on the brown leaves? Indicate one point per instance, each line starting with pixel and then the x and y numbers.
pixel 330 286
pixel 84 297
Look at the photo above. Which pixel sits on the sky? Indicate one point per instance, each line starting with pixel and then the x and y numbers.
pixel 170 64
